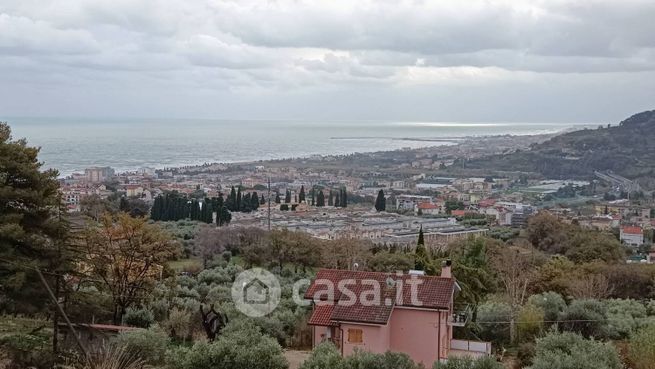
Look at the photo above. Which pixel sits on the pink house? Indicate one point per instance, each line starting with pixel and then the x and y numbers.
pixel 414 315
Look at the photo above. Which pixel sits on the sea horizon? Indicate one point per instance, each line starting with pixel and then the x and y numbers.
pixel 126 144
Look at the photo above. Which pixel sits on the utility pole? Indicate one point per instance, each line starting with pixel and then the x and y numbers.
pixel 61 311
pixel 269 203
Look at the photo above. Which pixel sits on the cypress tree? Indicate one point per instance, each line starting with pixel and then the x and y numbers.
pixel 337 200
pixel 232 199
pixel 287 197
pixel 277 198
pixel 344 198
pixel 320 199
pixel 239 199
pixel 254 201
pixel 313 197
pixel 245 203
pixel 331 199
pixel 155 212
pixel 380 202
pixel 262 201
pixel 301 196
pixel 223 216
pixel 421 240
pixel 208 212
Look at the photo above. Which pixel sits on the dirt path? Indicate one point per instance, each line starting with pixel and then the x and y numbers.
pixel 295 357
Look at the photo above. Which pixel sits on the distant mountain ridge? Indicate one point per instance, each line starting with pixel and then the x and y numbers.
pixel 627 149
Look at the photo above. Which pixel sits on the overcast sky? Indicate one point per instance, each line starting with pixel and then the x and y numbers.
pixel 457 60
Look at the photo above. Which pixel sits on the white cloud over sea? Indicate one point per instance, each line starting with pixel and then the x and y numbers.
pixel 482 60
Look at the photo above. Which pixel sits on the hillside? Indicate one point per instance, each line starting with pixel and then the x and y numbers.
pixel 627 149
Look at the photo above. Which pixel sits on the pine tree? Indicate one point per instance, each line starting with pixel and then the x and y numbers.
pixel 380 201
pixel 331 199
pixel 301 196
pixel 320 199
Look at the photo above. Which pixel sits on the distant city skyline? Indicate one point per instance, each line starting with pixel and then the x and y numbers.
pixel 472 61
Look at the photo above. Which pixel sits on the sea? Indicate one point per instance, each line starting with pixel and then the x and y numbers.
pixel 70 145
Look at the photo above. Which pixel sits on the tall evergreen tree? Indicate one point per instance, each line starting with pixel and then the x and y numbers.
pixel 337 200
pixel 254 200
pixel 239 199
pixel 320 199
pixel 381 201
pixel 232 200
pixel 301 196
pixel 245 203
pixel 313 193
pixel 157 206
pixel 344 198
pixel 331 198
pixel 262 200
pixel 223 216
pixel 421 240
pixel 277 198
pixel 33 229
pixel 287 197
pixel 207 212
pixel 195 210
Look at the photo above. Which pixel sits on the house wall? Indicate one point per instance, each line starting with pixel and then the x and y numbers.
pixel 375 338
pixel 415 332
pixel 320 334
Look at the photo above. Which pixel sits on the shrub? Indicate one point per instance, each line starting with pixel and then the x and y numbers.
pixel 497 333
pixel 179 323
pixel 624 317
pixel 388 360
pixel 572 351
pixel 552 304
pixel 585 317
pixel 242 348
pixel 526 353
pixel 141 318
pixel 325 355
pixel 147 344
pixel 469 363
pixel 27 350
pixel 642 348
pixel 530 322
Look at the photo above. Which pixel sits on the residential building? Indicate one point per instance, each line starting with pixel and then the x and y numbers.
pixel 98 174
pixel 631 235
pixel 415 314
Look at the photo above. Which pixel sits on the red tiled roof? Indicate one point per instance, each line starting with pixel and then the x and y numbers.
pixel 432 293
pixel 427 205
pixel 458 213
pixel 322 315
pixel 631 230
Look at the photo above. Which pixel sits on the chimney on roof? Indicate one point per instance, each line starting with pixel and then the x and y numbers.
pixel 446 269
